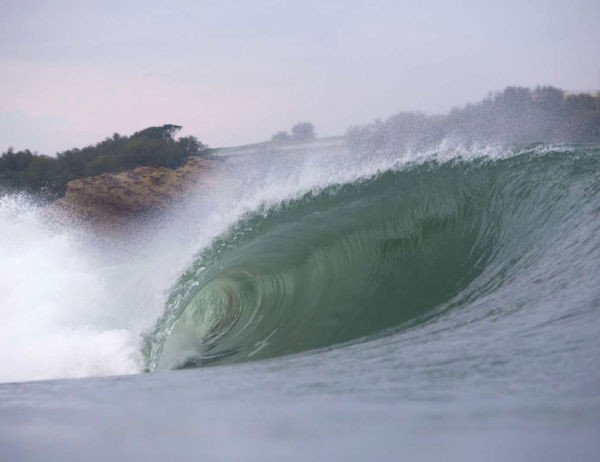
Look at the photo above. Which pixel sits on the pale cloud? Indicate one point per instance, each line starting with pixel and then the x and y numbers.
pixel 233 72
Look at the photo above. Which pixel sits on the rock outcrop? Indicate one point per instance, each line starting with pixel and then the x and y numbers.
pixel 112 200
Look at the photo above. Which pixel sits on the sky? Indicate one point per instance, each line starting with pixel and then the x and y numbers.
pixel 234 72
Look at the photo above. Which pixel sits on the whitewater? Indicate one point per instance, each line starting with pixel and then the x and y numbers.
pixel 423 301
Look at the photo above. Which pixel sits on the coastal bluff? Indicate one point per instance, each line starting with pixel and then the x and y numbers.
pixel 114 200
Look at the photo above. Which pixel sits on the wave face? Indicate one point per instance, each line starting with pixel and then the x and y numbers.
pixel 373 256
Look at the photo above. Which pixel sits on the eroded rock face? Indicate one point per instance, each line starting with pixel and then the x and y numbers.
pixel 112 200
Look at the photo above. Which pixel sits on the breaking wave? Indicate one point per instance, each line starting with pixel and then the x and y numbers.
pixel 374 255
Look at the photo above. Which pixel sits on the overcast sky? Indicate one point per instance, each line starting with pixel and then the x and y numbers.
pixel 232 72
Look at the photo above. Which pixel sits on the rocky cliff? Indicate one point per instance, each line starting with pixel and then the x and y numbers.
pixel 112 200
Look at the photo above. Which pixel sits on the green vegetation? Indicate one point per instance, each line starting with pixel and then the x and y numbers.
pixel 516 116
pixel 46 176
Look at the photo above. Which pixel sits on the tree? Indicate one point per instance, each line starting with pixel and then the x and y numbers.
pixel 191 146
pixel 163 133
pixel 303 131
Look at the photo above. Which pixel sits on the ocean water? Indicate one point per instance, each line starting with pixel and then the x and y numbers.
pixel 440 305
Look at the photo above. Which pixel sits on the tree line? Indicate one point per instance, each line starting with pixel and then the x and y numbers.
pixel 515 115
pixel 47 177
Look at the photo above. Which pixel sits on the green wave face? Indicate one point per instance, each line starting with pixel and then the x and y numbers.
pixel 367 258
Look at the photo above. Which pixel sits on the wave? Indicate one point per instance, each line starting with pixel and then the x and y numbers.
pixel 286 254
pixel 372 255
